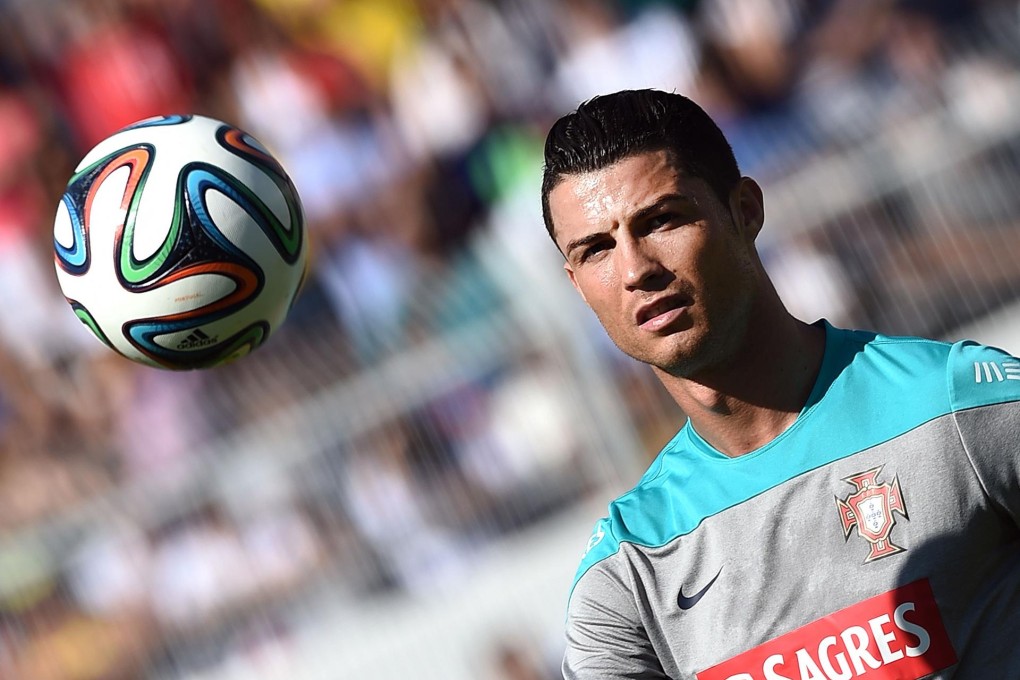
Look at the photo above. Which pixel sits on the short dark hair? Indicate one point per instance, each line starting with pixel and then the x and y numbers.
pixel 611 127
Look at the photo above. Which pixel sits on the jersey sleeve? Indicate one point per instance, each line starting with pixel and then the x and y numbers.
pixel 605 637
pixel 985 393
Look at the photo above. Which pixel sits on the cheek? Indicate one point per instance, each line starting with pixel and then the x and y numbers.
pixel 687 258
pixel 605 275
pixel 730 277
pixel 595 280
pixel 597 288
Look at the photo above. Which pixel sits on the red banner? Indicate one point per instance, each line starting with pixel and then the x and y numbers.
pixel 897 635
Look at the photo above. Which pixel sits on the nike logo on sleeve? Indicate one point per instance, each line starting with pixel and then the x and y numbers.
pixel 687 602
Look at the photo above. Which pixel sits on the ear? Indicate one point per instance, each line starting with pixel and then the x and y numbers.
pixel 573 280
pixel 747 208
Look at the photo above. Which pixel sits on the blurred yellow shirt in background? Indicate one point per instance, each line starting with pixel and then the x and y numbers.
pixel 368 33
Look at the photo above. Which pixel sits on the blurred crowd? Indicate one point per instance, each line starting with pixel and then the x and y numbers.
pixel 413 131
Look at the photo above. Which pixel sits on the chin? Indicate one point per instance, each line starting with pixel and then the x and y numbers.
pixel 683 366
pixel 690 357
pixel 677 354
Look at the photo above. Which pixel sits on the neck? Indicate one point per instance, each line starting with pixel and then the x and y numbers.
pixel 746 403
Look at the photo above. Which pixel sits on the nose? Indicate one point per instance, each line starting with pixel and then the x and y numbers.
pixel 638 264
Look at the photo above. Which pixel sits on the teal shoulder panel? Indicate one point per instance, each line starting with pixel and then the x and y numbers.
pixel 604 540
pixel 871 388
pixel 981 376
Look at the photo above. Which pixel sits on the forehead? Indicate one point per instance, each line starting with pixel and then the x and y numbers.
pixel 609 195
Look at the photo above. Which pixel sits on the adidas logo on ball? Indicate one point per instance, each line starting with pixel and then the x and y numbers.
pixel 197 339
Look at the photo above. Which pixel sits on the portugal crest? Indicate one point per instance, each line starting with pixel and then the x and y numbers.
pixel 870 508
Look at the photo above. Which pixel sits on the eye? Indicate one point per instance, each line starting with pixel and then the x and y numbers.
pixel 661 220
pixel 594 249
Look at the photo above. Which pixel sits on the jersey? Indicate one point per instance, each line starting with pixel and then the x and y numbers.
pixel 878 535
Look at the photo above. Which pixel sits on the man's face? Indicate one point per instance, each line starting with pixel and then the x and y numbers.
pixel 664 264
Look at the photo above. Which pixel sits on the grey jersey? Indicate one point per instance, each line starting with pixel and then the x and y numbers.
pixel 879 536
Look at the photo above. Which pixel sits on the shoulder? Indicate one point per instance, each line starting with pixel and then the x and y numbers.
pixel 891 364
pixel 980 375
pixel 636 517
pixel 891 352
pixel 969 373
pixel 903 381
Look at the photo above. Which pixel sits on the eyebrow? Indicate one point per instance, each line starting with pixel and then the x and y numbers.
pixel 636 217
pixel 584 241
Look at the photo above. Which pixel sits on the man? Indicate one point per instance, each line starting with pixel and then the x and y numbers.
pixel 839 503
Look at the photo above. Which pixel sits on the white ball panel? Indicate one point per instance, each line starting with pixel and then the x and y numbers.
pixel 184 295
pixel 240 229
pixel 265 188
pixel 156 206
pixel 63 232
pixel 106 214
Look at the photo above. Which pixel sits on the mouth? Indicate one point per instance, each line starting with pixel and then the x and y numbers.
pixel 659 313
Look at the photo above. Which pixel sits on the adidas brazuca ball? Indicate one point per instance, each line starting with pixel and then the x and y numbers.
pixel 180 242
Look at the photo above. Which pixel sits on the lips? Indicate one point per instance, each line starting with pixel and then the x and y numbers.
pixel 661 311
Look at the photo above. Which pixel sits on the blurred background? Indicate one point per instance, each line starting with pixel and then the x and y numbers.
pixel 402 481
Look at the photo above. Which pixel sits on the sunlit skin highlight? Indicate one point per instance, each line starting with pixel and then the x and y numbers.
pixel 673 274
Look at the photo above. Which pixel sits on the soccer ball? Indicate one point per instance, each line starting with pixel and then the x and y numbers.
pixel 180 242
